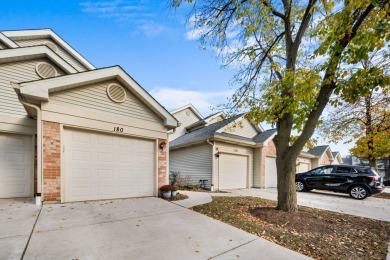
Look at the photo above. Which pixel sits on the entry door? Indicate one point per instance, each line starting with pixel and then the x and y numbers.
pixel 16 166
pixel 233 171
pixel 103 166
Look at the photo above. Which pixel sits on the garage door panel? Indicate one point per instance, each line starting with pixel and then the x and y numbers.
pixel 16 166
pixel 114 168
pixel 270 173
pixel 233 171
pixel 303 167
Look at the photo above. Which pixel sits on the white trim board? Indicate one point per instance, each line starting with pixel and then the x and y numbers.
pixel 26 53
pixel 40 90
pixel 47 33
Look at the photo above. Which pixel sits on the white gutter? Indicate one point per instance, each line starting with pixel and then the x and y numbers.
pixel 38 199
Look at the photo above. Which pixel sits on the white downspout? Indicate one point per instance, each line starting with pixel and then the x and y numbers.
pixel 38 198
pixel 212 165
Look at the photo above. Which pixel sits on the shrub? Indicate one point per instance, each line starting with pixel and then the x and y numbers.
pixel 175 188
pixel 172 177
pixel 183 181
pixel 166 188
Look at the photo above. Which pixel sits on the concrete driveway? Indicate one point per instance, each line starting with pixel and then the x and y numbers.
pixel 145 228
pixel 17 218
pixel 370 207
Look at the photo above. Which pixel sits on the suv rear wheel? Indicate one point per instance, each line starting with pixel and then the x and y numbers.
pixel 300 186
pixel 358 192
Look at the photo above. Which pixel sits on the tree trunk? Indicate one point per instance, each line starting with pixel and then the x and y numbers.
pixel 287 198
pixel 370 132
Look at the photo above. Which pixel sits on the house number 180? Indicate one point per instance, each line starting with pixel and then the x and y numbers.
pixel 118 129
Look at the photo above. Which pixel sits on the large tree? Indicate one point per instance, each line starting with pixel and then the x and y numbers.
pixel 291 56
pixel 365 121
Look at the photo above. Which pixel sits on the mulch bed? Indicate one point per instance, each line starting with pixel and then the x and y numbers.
pixel 178 197
pixel 316 233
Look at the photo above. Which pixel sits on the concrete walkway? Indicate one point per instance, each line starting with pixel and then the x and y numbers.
pixel 194 199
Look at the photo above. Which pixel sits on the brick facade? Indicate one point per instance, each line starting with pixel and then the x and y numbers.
pixel 325 160
pixel 162 163
pixel 51 161
pixel 270 149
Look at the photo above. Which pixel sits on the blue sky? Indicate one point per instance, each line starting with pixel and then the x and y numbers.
pixel 145 37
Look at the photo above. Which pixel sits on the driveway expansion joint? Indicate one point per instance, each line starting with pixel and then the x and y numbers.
pixel 32 231
pixel 106 222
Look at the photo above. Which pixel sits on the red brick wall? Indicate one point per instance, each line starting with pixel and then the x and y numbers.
pixel 325 159
pixel 270 149
pixel 51 161
pixel 162 163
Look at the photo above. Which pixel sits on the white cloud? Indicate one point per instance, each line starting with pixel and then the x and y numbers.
pixel 203 101
pixel 126 13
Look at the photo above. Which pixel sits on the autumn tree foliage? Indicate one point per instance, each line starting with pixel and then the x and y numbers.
pixel 365 121
pixel 291 56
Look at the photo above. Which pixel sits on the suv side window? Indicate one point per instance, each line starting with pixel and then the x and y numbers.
pixel 343 170
pixel 322 170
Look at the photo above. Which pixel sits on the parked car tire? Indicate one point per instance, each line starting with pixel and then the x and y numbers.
pixel 300 186
pixel 358 192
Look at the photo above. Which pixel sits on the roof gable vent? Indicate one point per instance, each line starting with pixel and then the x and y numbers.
pixel 45 70
pixel 52 46
pixel 116 93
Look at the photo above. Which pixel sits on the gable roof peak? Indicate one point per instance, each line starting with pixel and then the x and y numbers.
pixel 188 106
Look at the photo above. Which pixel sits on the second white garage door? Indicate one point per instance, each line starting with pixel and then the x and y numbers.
pixel 233 171
pixel 303 167
pixel 102 166
pixel 271 180
pixel 16 165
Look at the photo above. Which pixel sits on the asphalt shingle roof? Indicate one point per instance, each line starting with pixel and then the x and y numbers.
pixel 202 133
pixel 262 137
pixel 211 130
pixel 318 150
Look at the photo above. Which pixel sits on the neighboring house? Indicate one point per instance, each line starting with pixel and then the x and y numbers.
pixel 323 156
pixel 229 153
pixel 337 158
pixel 71 132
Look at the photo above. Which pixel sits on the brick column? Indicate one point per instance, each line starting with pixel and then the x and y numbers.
pixel 51 161
pixel 162 163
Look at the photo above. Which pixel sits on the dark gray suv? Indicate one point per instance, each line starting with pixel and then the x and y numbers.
pixel 358 181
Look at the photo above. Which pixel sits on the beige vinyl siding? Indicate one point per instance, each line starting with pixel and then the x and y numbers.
pixel 233 149
pixel 2 46
pixel 94 98
pixel 195 161
pixel 214 120
pixel 16 72
pixel 61 52
pixel 185 121
pixel 303 164
pixel 257 167
pixel 241 128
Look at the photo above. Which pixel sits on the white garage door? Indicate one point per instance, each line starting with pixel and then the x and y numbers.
pixel 303 167
pixel 102 166
pixel 16 166
pixel 233 171
pixel 271 180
